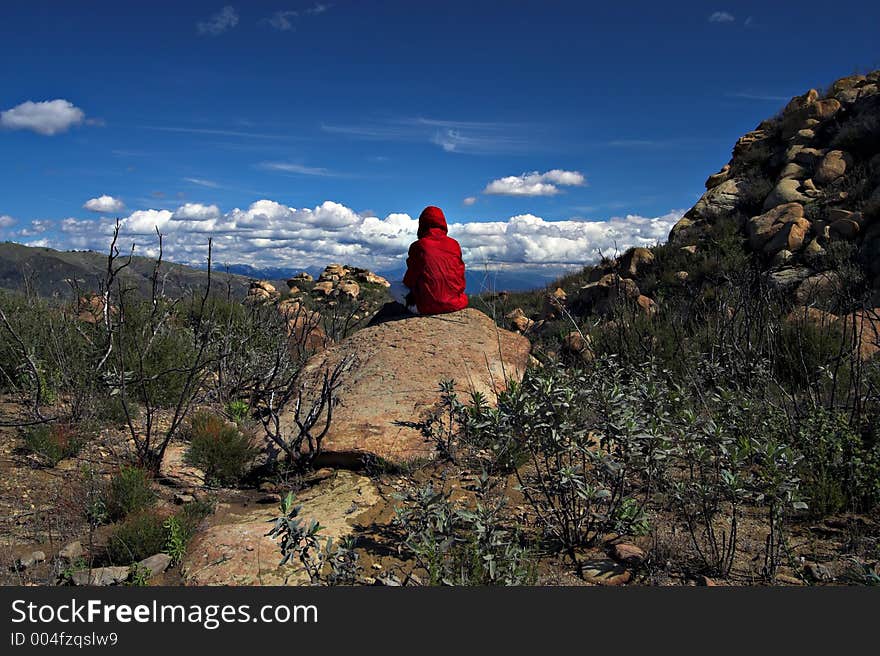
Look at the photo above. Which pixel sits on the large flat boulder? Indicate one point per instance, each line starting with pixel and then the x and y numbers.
pixel 394 378
pixel 234 548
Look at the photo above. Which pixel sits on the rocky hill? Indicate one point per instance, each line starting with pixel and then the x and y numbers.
pixel 798 203
pixel 801 187
pixel 49 273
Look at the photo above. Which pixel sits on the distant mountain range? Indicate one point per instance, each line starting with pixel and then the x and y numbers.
pixel 48 273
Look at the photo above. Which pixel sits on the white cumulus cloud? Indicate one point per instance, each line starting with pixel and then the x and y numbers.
pixel 196 212
pixel 271 234
pixel 48 117
pixel 535 183
pixel 6 221
pixel 218 23
pixel 104 204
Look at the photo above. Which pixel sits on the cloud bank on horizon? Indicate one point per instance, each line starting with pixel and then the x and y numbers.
pixel 270 234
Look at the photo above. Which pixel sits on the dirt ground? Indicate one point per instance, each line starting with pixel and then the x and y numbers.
pixel 41 509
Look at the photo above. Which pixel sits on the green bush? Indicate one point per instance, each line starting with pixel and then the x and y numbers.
pixel 581 434
pixel 840 468
pixel 181 527
pixel 219 448
pixel 54 442
pixel 140 536
pixel 109 409
pixel 149 532
pixel 237 410
pixel 161 358
pixel 129 491
pixel 453 544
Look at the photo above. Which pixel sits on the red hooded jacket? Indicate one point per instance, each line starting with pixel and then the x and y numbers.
pixel 434 268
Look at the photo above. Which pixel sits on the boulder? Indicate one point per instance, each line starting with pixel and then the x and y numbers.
pixel 100 576
pixel 605 572
pixel 324 287
pixel 832 166
pixel 781 228
pixel 782 257
pixel 836 213
pixel 813 252
pixel 600 296
pixel 811 315
pixel 804 156
pixel 787 278
pixel 393 377
pixel 819 289
pixel 865 326
pixel 363 275
pixel 28 560
pixel 805 135
pixel 844 229
pixel 234 549
pixel 785 191
pixel 748 140
pixel 634 260
pixel 518 320
pixel 300 278
pixel 799 103
pixel 647 305
pixel 628 554
pixel 578 345
pixel 157 563
pixel 717 178
pixel 261 291
pixel 793 170
pixel 306 334
pixel 845 83
pixel 72 551
pixel 350 289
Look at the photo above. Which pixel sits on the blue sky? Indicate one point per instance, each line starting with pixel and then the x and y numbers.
pixel 546 130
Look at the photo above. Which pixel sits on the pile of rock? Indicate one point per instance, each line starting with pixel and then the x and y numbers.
pixel 261 292
pixel 801 181
pixel 614 281
pixel 341 281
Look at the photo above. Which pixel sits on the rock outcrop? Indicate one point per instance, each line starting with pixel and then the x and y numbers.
pixel 393 380
pixel 802 181
pixel 233 549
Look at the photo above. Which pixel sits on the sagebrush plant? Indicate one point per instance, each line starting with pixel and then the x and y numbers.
pixel 221 449
pixel 455 544
pixel 581 435
pixel 705 486
pixel 325 562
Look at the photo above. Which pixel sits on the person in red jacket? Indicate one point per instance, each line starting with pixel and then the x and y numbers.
pixel 434 268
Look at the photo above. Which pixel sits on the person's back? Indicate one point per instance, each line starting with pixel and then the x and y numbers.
pixel 434 268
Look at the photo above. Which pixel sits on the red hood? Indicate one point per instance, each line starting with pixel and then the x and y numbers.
pixel 431 217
